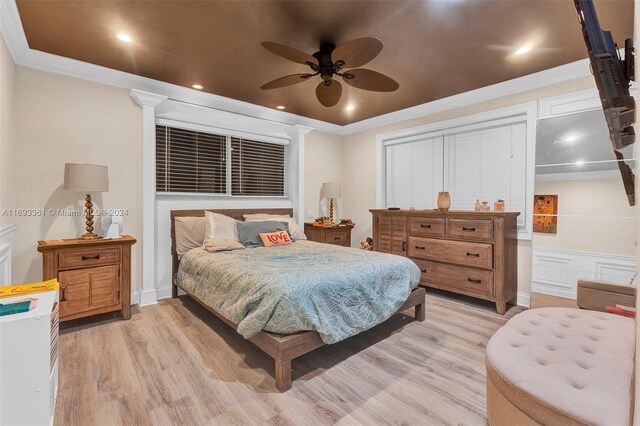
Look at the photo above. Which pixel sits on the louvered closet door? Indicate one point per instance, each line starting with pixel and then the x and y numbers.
pixel 391 234
pixel 488 164
pixel 414 173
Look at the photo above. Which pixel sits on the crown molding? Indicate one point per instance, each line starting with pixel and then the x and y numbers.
pixel 146 99
pixel 14 36
pixel 533 81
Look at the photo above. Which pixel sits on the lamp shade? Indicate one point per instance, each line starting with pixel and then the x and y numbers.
pixel 331 190
pixel 86 178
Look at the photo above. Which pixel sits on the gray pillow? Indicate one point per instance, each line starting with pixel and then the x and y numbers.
pixel 249 232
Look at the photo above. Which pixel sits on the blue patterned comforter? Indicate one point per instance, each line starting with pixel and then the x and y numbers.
pixel 337 291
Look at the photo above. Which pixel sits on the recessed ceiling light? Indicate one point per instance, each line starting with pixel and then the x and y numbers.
pixel 280 107
pixel 523 49
pixel 197 86
pixel 571 138
pixel 350 107
pixel 124 37
pixel 579 163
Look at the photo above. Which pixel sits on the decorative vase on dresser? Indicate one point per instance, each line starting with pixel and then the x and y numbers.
pixel 94 275
pixel 470 253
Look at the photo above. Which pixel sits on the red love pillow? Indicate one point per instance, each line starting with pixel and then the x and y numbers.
pixel 278 238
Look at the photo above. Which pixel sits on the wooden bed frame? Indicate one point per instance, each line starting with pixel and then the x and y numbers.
pixel 282 348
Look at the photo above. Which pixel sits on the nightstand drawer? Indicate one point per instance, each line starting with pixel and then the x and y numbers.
pixel 69 259
pixel 341 238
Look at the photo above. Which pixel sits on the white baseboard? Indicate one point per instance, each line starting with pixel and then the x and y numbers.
pixel 524 299
pixel 163 292
pixel 148 297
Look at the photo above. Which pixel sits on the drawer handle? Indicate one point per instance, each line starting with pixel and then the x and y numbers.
pixel 422 225
pixel 473 254
pixel 422 248
pixel 471 280
pixel 464 228
pixel 64 296
pixel 424 271
pixel 96 257
pixel 337 238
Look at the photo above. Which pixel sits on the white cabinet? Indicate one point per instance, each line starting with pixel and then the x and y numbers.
pixel 29 362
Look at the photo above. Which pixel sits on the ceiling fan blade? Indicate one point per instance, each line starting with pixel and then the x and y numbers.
pixel 289 53
pixel 285 81
pixel 365 79
pixel 329 95
pixel 356 53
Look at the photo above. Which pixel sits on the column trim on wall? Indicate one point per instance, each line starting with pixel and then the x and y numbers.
pixel 6 234
pixel 148 102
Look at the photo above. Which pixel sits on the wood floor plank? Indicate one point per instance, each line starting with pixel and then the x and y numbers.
pixel 175 363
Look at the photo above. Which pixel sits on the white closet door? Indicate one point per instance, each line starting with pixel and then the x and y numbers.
pixel 414 173
pixel 488 164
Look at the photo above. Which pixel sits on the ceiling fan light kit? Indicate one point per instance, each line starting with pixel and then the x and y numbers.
pixel 332 61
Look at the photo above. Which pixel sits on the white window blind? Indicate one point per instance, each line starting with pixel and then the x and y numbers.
pixel 487 161
pixel 190 161
pixel 258 168
pixel 488 164
pixel 414 173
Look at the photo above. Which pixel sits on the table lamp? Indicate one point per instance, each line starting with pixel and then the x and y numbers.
pixel 331 191
pixel 86 178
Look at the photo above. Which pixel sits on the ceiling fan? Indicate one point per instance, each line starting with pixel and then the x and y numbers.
pixel 331 61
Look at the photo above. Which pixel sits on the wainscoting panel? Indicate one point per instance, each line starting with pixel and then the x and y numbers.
pixel 557 272
pixel 6 232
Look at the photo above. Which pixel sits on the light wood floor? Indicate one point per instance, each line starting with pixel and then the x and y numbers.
pixel 175 363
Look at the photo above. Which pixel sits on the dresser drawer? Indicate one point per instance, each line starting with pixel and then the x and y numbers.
pixel 339 238
pixel 478 229
pixel 427 226
pixel 458 278
pixel 80 258
pixel 478 255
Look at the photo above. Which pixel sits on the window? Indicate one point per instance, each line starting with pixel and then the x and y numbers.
pixel 257 168
pixel 189 161
pixel 194 161
pixel 486 161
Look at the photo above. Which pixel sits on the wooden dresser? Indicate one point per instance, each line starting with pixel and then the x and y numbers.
pixel 337 235
pixel 471 253
pixel 94 275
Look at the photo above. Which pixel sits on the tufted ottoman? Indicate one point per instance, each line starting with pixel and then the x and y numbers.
pixel 561 366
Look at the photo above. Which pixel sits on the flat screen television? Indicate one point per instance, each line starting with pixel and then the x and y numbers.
pixel 613 76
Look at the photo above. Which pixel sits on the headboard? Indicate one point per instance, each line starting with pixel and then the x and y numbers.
pixel 237 214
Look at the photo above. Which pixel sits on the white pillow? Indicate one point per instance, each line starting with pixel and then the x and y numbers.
pixel 294 229
pixel 190 232
pixel 220 227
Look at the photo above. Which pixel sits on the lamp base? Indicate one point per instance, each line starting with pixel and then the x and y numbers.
pixel 89 235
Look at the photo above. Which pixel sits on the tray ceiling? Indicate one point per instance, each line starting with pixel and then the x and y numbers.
pixel 434 49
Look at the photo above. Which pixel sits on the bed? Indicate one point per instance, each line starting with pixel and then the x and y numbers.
pixel 319 294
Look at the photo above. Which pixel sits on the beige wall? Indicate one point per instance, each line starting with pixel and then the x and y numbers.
pixel 593 216
pixel 322 163
pixel 7 84
pixel 58 120
pixel 360 156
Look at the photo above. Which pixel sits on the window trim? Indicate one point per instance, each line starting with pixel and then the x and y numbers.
pixel 228 134
pixel 523 112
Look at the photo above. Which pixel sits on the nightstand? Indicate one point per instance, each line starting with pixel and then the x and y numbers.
pixel 94 275
pixel 338 235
